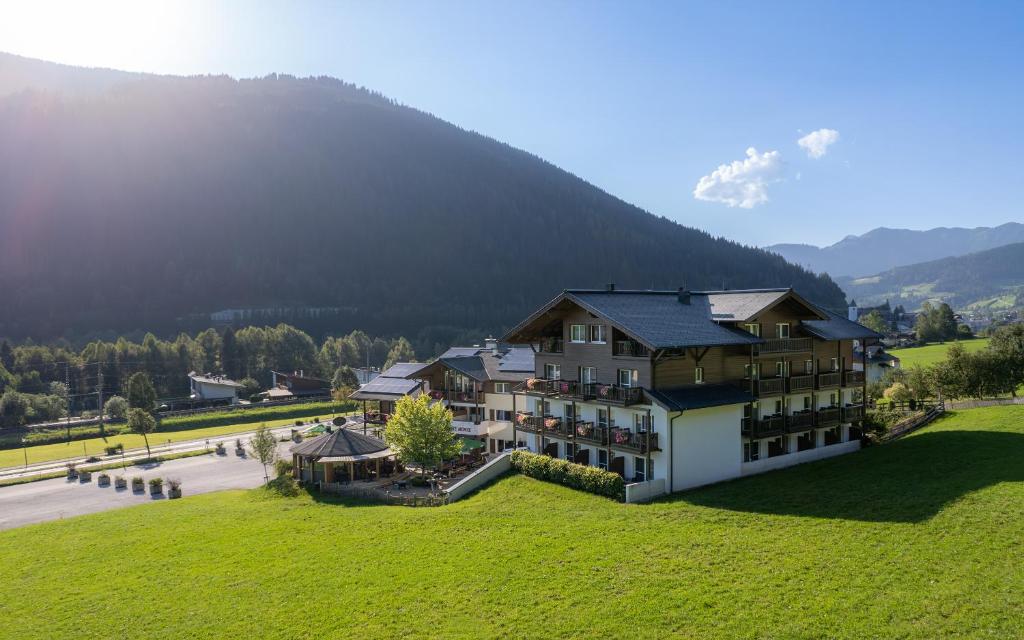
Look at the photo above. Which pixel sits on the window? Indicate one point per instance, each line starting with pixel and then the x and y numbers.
pixel 598 333
pixel 753 328
pixel 552 371
pixel 501 387
pixel 782 330
pixel 641 422
pixel 751 371
pixel 639 469
pixel 807 402
pixel 808 366
pixel 629 377
pixel 602 417
pixel 778 407
pixel 588 375
pixel 833 399
pixel 781 369
pixel 578 333
pixel 834 363
pixel 543 408
pixel 502 415
pixel 751 451
pixel 698 375
pixel 569 415
pixel 570 451
pixel 602 458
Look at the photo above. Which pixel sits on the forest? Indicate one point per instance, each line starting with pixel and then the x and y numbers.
pixel 41 381
pixel 155 202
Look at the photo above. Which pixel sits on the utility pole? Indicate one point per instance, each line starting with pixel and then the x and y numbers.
pixel 67 385
pixel 99 393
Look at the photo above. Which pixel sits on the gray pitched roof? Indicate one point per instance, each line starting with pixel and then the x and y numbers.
pixel 699 396
pixel 838 328
pixel 457 352
pixel 342 442
pixel 737 306
pixel 487 366
pixel 386 386
pixel 402 369
pixel 659 320
pixel 518 359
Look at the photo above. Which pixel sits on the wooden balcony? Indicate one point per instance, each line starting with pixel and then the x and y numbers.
pixel 798 422
pixel 586 391
pixel 771 386
pixel 853 412
pixel 801 383
pixel 768 427
pixel 633 440
pixel 828 417
pixel 615 394
pixel 784 345
pixel 551 345
pixel 630 348
pixel 829 380
pixel 529 423
pixel 465 397
pixel 854 378
pixel 590 433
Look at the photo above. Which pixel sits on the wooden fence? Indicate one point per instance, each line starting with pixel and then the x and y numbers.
pixel 382 496
pixel 916 422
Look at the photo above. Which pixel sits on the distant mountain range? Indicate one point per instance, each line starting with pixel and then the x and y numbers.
pixel 883 248
pixel 132 201
pixel 987 280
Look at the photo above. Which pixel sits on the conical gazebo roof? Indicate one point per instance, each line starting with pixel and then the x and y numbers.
pixel 343 445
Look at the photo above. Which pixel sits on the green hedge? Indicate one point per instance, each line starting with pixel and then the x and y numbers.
pixel 569 474
pixel 256 414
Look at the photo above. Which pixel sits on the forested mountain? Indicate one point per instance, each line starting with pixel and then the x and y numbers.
pixel 881 249
pixel 992 279
pixel 152 201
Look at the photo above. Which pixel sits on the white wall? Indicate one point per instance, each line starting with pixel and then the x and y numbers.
pixel 706 446
pixel 798 457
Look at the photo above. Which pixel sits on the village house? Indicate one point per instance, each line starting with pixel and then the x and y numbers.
pixel 213 389
pixel 289 386
pixel 676 389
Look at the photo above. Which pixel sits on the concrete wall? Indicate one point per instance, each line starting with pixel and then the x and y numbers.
pixel 490 471
pixel 706 446
pixel 645 491
pixel 798 457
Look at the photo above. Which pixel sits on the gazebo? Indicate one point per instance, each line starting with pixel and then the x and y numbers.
pixel 341 455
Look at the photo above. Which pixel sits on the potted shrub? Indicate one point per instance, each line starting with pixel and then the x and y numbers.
pixel 72 471
pixel 298 423
pixel 120 482
pixel 221 449
pixel 103 480
pixel 138 484
pixel 84 476
pixel 173 489
pixel 239 449
pixel 156 486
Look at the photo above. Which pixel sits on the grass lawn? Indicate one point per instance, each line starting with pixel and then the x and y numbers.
pixel 932 353
pixel 95 446
pixel 920 538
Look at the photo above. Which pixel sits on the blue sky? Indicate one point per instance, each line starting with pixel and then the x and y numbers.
pixel 646 99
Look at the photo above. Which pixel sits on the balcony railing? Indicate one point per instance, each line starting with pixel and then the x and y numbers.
pixel 854 378
pixel 476 397
pixel 770 426
pixel 629 348
pixel 800 421
pixel 827 380
pixel 771 386
pixel 597 392
pixel 828 416
pixel 801 383
pixel 539 424
pixel 784 345
pixel 587 431
pixel 635 440
pixel 853 412
pixel 551 345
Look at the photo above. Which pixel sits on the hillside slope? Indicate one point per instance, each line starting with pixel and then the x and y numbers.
pixel 993 279
pixel 881 249
pixel 158 200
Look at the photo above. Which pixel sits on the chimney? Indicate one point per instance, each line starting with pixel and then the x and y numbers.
pixel 610 286
pixel 491 344
pixel 683 295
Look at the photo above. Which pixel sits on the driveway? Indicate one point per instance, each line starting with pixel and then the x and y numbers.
pixel 56 499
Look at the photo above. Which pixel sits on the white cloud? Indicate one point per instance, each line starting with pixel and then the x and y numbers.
pixel 742 183
pixel 816 143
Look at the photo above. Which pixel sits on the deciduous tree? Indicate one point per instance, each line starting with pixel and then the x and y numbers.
pixel 421 432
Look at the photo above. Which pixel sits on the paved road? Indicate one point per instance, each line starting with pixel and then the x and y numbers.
pixel 55 499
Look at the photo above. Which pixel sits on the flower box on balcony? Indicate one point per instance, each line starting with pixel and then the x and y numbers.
pixel 550 423
pixel 622 437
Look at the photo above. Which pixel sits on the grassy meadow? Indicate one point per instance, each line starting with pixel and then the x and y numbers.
pixel 933 353
pixel 919 538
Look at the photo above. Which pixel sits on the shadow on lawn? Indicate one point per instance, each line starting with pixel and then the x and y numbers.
pixel 908 480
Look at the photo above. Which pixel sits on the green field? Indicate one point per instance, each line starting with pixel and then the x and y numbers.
pixel 932 353
pixel 95 446
pixel 920 538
